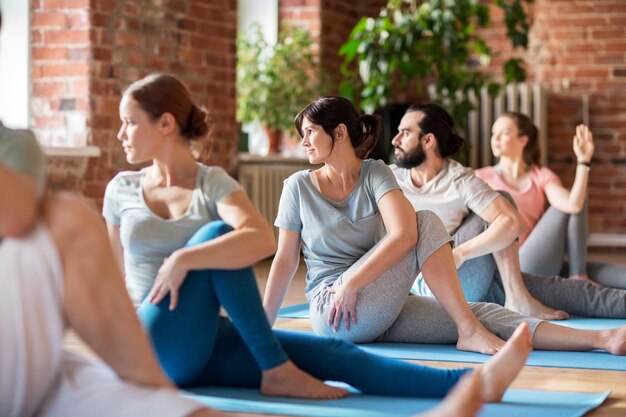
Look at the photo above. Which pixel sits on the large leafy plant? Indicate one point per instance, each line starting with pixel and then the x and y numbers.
pixel 275 82
pixel 428 42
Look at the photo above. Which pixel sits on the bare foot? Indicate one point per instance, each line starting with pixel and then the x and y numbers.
pixel 479 340
pixel 499 372
pixel 616 341
pixel 534 308
pixel 585 278
pixel 464 400
pixel 287 380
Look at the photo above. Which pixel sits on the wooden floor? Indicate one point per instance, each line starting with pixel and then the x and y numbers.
pixel 549 379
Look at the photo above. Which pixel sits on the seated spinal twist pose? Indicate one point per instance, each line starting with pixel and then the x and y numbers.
pixel 189 231
pixel 563 227
pixel 364 245
pixel 483 225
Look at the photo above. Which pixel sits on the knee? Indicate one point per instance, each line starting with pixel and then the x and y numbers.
pixel 208 232
pixel 429 224
pixel 72 219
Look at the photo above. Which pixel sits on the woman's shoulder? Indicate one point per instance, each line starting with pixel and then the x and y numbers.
pixel 127 179
pixel 543 175
pixel 376 164
pixel 298 177
pixel 486 173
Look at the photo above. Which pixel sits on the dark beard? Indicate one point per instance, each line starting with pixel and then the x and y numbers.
pixel 410 160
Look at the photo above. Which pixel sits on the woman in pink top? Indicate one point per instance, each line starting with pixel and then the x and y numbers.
pixel 563 225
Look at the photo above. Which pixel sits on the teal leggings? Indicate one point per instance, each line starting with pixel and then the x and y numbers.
pixel 196 347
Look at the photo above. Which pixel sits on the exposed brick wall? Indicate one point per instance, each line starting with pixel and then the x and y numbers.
pixel 301 13
pixel 577 49
pixel 191 39
pixel 60 71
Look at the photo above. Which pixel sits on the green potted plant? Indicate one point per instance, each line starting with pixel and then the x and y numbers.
pixel 275 82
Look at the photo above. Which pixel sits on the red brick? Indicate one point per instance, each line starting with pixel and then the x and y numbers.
pixel 49 19
pixel 48 53
pixel 65 70
pixel 36 37
pixel 79 87
pixel 60 37
pixel 79 20
pixel 126 39
pixel 581 47
pixel 615 46
pixel 42 88
pixel 592 72
pixel 65 4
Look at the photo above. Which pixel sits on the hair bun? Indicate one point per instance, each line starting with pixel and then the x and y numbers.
pixel 197 123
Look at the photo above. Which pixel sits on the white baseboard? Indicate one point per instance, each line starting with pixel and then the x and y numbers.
pixel 607 239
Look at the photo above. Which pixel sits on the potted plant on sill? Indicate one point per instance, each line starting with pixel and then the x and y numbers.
pixel 275 82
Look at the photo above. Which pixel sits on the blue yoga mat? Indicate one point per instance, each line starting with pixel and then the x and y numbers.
pixel 556 359
pixel 516 403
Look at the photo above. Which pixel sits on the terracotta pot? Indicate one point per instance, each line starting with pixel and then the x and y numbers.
pixel 274 136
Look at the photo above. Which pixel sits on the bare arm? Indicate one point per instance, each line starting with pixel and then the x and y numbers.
pixel 252 240
pixel 283 269
pixel 505 225
pixel 18 205
pixel 572 201
pixel 113 231
pixel 401 225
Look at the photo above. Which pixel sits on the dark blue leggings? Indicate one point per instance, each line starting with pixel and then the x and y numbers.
pixel 184 339
pixel 196 347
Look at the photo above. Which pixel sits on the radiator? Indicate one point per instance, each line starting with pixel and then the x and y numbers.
pixel 530 99
pixel 262 178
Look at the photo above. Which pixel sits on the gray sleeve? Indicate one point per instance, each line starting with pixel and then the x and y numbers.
pixel 21 152
pixel 217 184
pixel 476 193
pixel 381 179
pixel 110 207
pixel 288 216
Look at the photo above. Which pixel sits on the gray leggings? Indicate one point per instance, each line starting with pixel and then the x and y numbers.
pixel 386 312
pixel 481 281
pixel 543 251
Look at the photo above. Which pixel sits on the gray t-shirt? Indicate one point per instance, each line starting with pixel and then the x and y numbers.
pixel 20 151
pixel 451 195
pixel 334 234
pixel 147 239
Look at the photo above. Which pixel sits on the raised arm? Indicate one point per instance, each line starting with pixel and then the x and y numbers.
pixel 283 269
pixel 505 225
pixel 572 201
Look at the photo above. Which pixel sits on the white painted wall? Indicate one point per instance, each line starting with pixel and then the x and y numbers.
pixel 263 11
pixel 15 63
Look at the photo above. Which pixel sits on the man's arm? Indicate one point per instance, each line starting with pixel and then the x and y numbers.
pixel 18 205
pixel 21 177
pixel 505 225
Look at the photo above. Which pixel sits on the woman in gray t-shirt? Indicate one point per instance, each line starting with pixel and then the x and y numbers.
pixel 364 245
pixel 357 282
